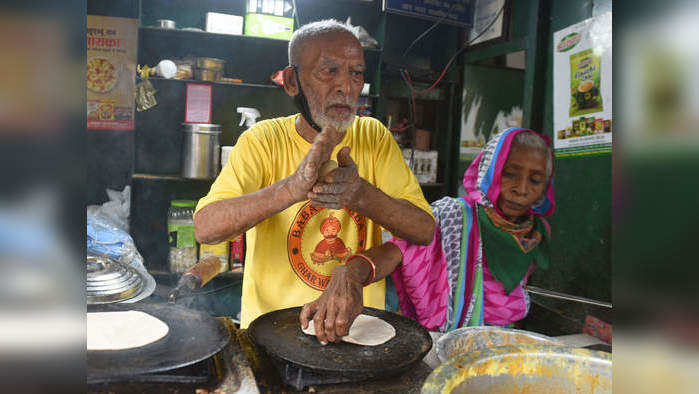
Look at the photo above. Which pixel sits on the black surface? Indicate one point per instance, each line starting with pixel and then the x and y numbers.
pixel 150 200
pixel 193 337
pixel 279 334
pixel 110 155
pixel 114 8
pixel 603 347
pixel 159 136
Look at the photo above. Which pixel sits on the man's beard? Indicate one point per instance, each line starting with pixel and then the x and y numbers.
pixel 322 119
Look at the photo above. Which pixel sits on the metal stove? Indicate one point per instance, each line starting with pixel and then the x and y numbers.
pixel 226 371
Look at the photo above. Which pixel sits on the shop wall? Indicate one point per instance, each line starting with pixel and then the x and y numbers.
pixel 154 146
pixel 110 153
pixel 581 226
pixel 581 241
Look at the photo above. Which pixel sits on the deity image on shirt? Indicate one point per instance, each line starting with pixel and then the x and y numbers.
pixel 320 239
pixel 331 247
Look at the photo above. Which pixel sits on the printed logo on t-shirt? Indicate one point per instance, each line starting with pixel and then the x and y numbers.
pixel 321 239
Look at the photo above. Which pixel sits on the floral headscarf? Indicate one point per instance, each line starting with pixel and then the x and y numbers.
pixel 482 178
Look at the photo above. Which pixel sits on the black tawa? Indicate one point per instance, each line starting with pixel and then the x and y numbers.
pixel 192 337
pixel 279 334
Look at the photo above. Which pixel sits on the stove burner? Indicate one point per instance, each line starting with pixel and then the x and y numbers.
pixel 110 281
pixel 300 378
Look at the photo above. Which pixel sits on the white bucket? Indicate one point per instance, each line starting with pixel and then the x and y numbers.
pixel 225 152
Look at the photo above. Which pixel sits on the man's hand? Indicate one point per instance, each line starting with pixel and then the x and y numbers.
pixel 335 310
pixel 300 183
pixel 341 187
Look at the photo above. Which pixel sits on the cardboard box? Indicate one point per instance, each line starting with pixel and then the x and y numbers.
pixel 422 139
pixel 224 23
pixel 269 26
pixel 424 164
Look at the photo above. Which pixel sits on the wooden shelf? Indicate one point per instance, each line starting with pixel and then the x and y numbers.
pixel 241 84
pixel 167 177
pixel 204 34
pixel 436 184
pixel 236 273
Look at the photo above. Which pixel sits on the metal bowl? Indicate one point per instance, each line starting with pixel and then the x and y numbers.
pixel 111 281
pixel 165 24
pixel 204 74
pixel 210 63
pixel 526 368
pixel 468 339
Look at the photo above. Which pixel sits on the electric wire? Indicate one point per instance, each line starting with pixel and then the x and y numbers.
pixel 405 75
pixel 446 68
pixel 429 30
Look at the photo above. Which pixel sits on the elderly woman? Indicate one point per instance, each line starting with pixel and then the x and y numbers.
pixel 484 248
pixel 488 242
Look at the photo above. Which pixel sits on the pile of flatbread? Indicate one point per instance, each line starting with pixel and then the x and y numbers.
pixel 123 330
pixel 365 330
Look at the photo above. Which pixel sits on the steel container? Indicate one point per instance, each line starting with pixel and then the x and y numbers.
pixel 523 369
pixel 469 339
pixel 210 63
pixel 200 150
pixel 204 74
pixel 165 24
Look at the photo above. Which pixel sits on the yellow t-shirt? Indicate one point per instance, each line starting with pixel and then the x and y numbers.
pixel 290 256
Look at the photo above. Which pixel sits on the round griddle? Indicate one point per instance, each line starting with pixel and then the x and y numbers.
pixel 279 334
pixel 193 337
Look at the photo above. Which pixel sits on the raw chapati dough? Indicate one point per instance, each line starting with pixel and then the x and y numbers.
pixel 123 330
pixel 366 330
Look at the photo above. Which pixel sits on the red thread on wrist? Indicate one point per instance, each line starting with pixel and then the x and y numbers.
pixel 371 264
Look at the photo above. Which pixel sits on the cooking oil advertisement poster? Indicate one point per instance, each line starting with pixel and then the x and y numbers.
pixel 582 88
pixel 112 45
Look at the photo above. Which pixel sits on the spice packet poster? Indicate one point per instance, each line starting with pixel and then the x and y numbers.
pixel 582 84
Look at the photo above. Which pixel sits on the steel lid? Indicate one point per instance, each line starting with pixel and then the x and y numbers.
pixel 201 128
pixel 111 281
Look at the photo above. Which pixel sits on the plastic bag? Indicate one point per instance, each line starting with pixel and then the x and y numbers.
pixel 365 39
pixel 116 210
pixel 107 234
pixel 145 92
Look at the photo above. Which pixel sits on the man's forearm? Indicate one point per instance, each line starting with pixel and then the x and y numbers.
pixel 400 217
pixel 226 219
pixel 386 258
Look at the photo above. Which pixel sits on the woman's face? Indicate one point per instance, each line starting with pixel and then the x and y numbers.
pixel 523 181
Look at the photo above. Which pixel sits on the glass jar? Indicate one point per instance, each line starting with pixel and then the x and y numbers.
pixel 180 227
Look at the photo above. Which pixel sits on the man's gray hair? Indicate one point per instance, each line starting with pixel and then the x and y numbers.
pixel 313 30
pixel 534 141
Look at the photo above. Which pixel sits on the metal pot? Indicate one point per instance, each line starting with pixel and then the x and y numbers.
pixel 469 339
pixel 200 150
pixel 205 74
pixel 524 368
pixel 210 63
pixel 165 24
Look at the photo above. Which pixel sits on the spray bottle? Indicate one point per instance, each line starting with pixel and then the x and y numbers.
pixel 248 116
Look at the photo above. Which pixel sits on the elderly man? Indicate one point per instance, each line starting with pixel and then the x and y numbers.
pixel 301 229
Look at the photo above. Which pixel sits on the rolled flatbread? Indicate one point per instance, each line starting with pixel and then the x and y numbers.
pixel 123 330
pixel 365 330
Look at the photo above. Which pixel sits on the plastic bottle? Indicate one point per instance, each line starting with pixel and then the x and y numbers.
pixel 183 246
pixel 219 250
pixel 248 116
